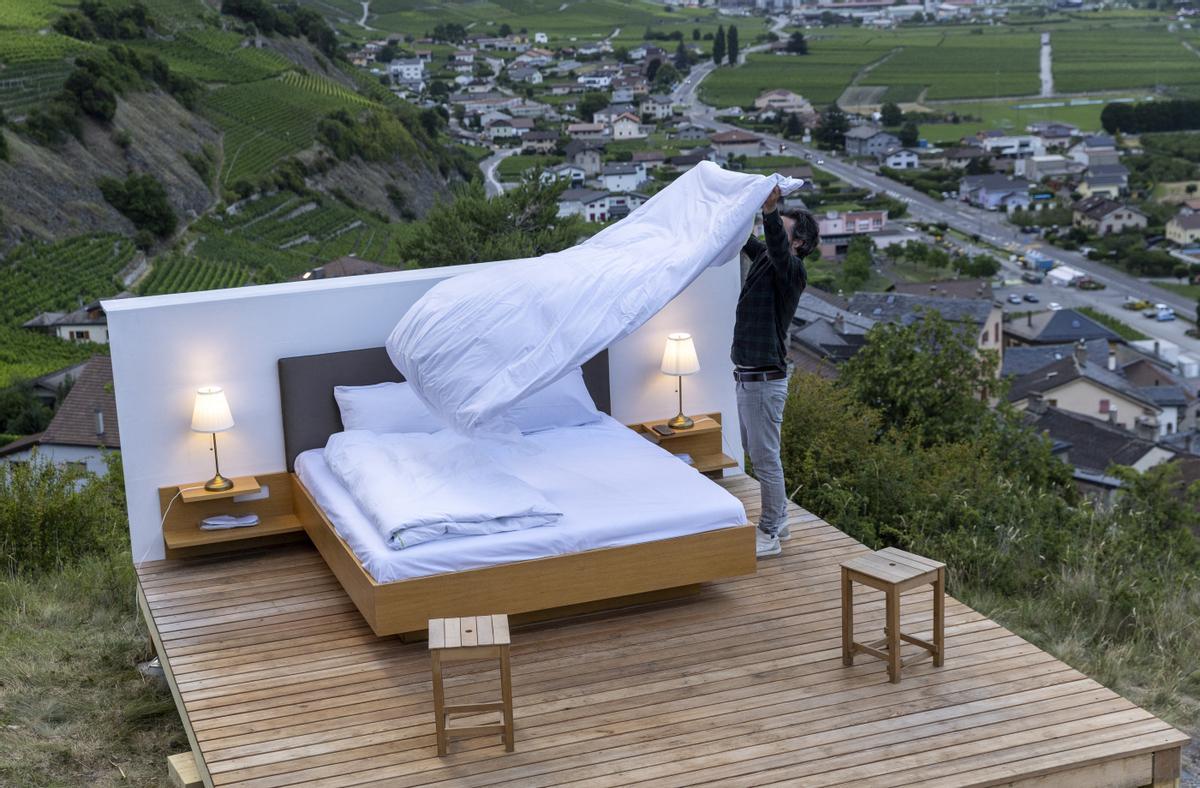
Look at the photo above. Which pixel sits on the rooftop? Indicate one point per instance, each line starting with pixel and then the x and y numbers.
pixel 903 308
pixel 1091 444
pixel 1057 327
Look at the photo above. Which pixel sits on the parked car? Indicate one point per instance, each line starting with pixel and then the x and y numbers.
pixel 1031 298
pixel 1134 304
pixel 1163 313
pixel 1013 298
pixel 1088 283
pixel 1029 230
pixel 1055 306
pixel 1032 277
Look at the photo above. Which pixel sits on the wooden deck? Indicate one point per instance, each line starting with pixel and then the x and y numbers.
pixel 280 682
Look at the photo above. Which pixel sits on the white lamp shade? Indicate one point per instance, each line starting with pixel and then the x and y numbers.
pixel 679 357
pixel 211 413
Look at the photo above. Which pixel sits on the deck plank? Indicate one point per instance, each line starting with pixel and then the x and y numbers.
pixel 284 684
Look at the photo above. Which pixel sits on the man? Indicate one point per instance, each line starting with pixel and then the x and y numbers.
pixel 769 296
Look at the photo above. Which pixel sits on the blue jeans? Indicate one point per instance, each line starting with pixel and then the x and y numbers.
pixel 760 411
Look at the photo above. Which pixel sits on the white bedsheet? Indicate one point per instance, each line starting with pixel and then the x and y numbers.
pixel 479 342
pixel 614 488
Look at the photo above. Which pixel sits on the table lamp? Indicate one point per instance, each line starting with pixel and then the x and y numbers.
pixel 211 414
pixel 679 359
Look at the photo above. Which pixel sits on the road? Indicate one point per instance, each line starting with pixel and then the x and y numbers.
pixel 990 226
pixel 1046 67
pixel 491 180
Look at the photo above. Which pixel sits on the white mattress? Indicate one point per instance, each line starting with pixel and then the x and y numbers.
pixel 614 487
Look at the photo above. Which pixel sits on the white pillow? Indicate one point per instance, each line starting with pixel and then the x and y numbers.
pixel 384 407
pixel 564 403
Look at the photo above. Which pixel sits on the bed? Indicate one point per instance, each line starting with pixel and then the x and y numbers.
pixel 636 520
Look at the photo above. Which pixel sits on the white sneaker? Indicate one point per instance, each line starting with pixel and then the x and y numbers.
pixel 785 532
pixel 766 546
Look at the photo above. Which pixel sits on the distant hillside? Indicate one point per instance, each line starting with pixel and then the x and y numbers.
pixel 231 152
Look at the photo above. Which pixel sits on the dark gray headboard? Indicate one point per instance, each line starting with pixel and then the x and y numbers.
pixel 310 413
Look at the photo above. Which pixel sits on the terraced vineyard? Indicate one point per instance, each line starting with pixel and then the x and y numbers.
pixel 40 277
pixel 267 120
pixel 187 274
pixel 218 57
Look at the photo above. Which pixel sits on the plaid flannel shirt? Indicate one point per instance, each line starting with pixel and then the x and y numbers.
pixel 768 299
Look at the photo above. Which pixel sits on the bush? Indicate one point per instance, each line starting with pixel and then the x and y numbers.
pixel 52 516
pixel 142 200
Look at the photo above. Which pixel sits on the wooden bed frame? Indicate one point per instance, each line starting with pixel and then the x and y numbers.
pixel 598 579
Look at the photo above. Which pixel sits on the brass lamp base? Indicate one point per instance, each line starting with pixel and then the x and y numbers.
pixel 681 422
pixel 218 483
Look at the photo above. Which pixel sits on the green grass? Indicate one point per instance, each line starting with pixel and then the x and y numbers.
pixel 216 56
pixel 1013 115
pixel 819 76
pixel 515 166
pixel 1123 329
pixel 958 64
pixel 1187 291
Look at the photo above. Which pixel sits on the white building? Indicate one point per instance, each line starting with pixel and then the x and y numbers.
pixel 900 159
pixel 566 171
pixel 541 38
pixel 410 70
pixel 1014 147
pixel 622 176
pixel 627 127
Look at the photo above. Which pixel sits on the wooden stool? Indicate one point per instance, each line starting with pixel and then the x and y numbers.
pixel 476 637
pixel 893 571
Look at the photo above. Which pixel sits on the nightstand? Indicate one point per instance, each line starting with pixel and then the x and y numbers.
pixel 702 443
pixel 183 536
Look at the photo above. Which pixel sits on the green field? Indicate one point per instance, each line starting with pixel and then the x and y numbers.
pixel 1131 58
pixel 959 65
pixel 216 56
pixel 819 76
pixel 1012 115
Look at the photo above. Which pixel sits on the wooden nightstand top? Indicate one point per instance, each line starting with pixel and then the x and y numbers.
pixel 702 443
pixel 242 485
pixel 704 424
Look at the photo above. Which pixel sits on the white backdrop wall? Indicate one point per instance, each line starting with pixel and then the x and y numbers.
pixel 165 347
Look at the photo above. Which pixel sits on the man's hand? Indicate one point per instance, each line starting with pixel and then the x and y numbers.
pixel 772 200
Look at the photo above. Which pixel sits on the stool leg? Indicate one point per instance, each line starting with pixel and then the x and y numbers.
pixel 893 634
pixel 939 618
pixel 439 703
pixel 506 696
pixel 847 619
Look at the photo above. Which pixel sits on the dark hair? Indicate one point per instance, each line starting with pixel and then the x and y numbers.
pixel 804 229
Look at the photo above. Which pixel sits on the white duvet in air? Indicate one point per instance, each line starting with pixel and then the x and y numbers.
pixel 417 487
pixel 477 343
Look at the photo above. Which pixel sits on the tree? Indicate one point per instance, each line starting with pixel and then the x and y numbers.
pixel 731 45
pixel 652 68
pixel 1181 271
pixel 718 50
pixel 794 126
pixel 522 222
pixel 142 200
pixel 695 34
pixel 831 129
pixel 909 134
pixel 856 270
pixel 927 378
pixel 682 61
pixel 505 30
pixel 592 101
pixel 890 115
pixel 796 45
pixel 666 78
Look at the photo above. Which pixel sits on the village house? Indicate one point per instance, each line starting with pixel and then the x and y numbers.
pixel 462 61
pixel 655 106
pixel 690 158
pixel 995 192
pixel 961 157
pixel 869 141
pixel 622 176
pixel 900 159
pixel 612 112
pixel 588 131
pixel 1110 186
pixel 1088 387
pixel 837 228
pixel 1039 168
pixel 1104 216
pixel 627 126
pixel 690 132
pixel 88 323
pixel 84 428
pixel 502 128
pixel 1056 327
pixel 537 141
pixel 566 171
pixel 1184 229
pixel 407 70
pixel 588 203
pixel 737 143
pixel 784 102
pixel 1013 146
pixel 982 317
pixel 525 74
pixel 587 155
pixel 649 158
pixel 1097 150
